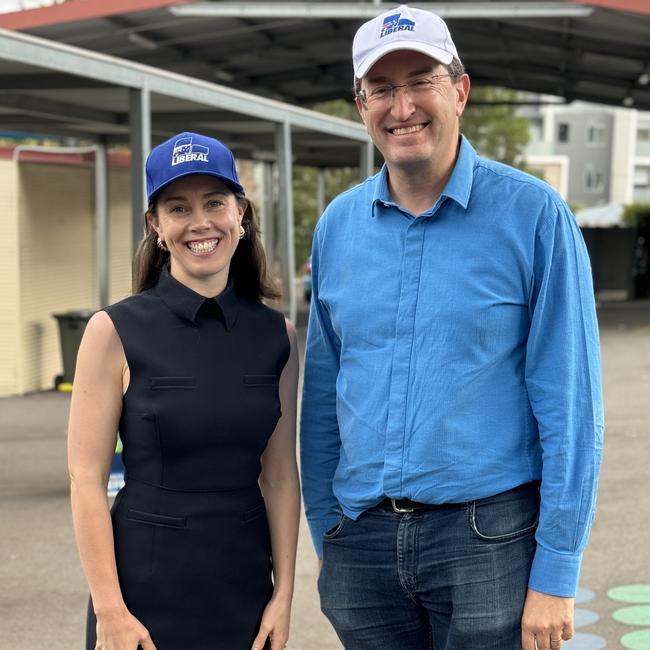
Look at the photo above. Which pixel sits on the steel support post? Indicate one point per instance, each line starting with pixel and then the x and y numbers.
pixel 140 143
pixel 285 215
pixel 101 222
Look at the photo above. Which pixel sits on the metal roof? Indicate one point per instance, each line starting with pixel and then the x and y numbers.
pixel 56 89
pixel 300 51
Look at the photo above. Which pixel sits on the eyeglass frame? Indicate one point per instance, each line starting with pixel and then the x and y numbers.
pixel 432 77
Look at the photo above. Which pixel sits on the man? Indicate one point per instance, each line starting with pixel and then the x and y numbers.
pixel 452 419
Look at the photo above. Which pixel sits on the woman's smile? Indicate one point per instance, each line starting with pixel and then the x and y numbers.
pixel 203 247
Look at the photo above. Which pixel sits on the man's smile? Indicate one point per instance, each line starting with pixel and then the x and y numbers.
pixel 408 130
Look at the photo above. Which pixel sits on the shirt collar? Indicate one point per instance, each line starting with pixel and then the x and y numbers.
pixel 186 303
pixel 458 187
pixel 381 195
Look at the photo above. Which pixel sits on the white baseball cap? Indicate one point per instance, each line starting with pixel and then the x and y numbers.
pixel 401 29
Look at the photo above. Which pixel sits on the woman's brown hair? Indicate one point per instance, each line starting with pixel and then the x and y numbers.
pixel 247 266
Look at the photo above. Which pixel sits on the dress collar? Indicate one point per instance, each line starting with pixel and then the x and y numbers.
pixel 187 304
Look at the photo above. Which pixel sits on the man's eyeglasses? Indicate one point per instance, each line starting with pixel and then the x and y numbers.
pixel 381 96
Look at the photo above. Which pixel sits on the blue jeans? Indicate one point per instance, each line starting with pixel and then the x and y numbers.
pixel 453 578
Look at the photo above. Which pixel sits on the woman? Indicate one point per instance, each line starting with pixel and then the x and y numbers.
pixel 200 378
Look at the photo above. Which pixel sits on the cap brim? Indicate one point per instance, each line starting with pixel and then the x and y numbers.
pixel 238 189
pixel 431 51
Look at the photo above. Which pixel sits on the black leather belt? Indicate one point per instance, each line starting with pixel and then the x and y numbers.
pixel 403 506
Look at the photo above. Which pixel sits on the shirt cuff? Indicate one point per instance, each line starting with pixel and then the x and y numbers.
pixel 318 528
pixel 555 573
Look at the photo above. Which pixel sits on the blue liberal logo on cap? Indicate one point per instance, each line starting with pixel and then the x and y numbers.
pixel 190 153
pixel 394 24
pixel 184 151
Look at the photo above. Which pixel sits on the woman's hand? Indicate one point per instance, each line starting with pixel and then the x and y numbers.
pixel 122 631
pixel 274 625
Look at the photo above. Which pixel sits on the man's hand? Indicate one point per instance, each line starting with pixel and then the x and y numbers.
pixel 546 622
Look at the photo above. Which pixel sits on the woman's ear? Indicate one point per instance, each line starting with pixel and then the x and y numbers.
pixel 152 220
pixel 242 206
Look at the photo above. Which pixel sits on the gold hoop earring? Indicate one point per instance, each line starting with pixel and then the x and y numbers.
pixel 161 244
pixel 242 232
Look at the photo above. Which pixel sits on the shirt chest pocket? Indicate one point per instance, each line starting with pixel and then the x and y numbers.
pixel 261 380
pixel 166 383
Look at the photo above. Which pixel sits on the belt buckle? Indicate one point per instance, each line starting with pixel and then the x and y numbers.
pixel 398 510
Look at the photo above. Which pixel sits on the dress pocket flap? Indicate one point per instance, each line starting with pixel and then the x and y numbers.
pixel 156 519
pixel 158 383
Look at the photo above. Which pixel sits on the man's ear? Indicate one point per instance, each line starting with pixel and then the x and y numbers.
pixel 360 108
pixel 462 93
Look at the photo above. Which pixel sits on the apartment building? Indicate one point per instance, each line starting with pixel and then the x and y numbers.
pixel 592 154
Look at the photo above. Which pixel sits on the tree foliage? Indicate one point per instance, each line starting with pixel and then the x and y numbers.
pixel 491 123
pixel 305 185
pixel 637 214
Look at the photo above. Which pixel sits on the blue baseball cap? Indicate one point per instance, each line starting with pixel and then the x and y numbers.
pixel 189 153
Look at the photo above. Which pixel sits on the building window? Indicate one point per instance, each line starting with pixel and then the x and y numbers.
pixel 641 185
pixel 595 134
pixel 642 177
pixel 643 139
pixel 562 132
pixel 594 180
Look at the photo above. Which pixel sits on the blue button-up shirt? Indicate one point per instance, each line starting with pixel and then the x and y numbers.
pixel 454 356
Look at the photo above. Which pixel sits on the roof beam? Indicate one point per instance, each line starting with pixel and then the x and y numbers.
pixel 540 33
pixel 310 73
pixel 636 6
pixel 75 10
pixel 354 11
pixel 225 35
pixel 30 50
pixel 52 109
pixel 59 130
pixel 81 36
pixel 605 39
pixel 10 82
pixel 571 80
pixel 11 120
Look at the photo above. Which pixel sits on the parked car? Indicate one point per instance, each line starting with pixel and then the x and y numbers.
pixel 306 279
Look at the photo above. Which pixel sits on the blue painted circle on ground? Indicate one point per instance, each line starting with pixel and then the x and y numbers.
pixel 584 595
pixel 584 617
pixel 639 640
pixel 636 615
pixel 582 641
pixel 630 593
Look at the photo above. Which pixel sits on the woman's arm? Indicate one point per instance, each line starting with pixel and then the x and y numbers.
pixel 281 489
pixel 100 379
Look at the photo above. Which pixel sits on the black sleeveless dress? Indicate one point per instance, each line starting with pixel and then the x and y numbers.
pixel 191 536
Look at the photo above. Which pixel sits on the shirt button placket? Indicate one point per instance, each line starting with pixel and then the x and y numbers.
pixel 397 433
